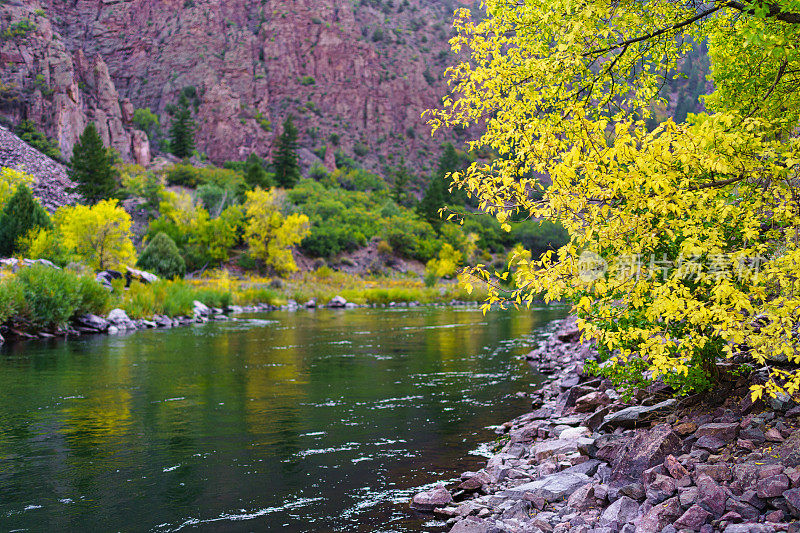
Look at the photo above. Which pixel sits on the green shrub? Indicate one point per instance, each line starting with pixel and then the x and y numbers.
pixel 92 297
pixel 162 257
pixel 51 296
pixel 12 299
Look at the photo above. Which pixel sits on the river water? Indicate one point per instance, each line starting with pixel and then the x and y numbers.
pixel 324 420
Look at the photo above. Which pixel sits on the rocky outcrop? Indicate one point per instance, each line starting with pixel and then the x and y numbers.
pixel 356 77
pixel 58 87
pixel 52 186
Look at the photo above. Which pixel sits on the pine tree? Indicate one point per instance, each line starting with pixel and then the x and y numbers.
pixel 162 257
pixel 287 168
pixel 21 214
pixel 401 179
pixel 91 167
pixel 433 200
pixel 181 132
pixel 254 173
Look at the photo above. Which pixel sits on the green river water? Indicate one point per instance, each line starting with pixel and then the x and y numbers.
pixel 324 420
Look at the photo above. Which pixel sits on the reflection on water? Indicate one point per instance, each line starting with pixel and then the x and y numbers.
pixel 313 421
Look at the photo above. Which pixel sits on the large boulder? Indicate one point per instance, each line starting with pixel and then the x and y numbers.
pixel 431 499
pixel 552 488
pixel 646 449
pixel 119 318
pixel 139 275
pixel 92 322
pixel 337 302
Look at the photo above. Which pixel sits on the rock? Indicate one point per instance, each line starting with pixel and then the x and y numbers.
pixel 711 496
pixel 717 472
pixel 792 497
pixel 749 528
pixel 521 510
pixel 311 304
pixel 474 483
pixel 119 318
pixel 772 486
pixel 430 500
pixel 660 489
pixel 619 513
pixel 337 302
pixel 744 510
pixel 94 322
pixel 549 448
pixel 583 498
pixel 472 524
pixel 634 416
pixel 675 468
pixel 647 449
pixel 773 435
pixel 590 402
pixel 707 442
pixel 694 517
pixel 660 516
pixel 722 431
pixel 688 496
pixel 112 330
pixel 553 487
pixel 200 309
pixel 141 276
pixel 685 429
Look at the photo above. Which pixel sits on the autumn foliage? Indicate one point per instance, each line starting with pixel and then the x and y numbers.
pixel 684 241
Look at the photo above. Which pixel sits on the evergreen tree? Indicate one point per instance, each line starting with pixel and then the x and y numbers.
pixel 91 167
pixel 449 162
pixel 401 178
pixel 181 132
pixel 162 257
pixel 287 168
pixel 254 173
pixel 21 214
pixel 434 199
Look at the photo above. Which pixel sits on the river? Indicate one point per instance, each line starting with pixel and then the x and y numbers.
pixel 325 420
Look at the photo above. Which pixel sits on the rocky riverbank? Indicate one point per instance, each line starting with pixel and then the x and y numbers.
pixel 117 321
pixel 585 461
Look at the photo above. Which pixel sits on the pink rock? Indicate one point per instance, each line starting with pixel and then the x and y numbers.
pixel 430 500
pixel 694 517
pixel 675 469
pixel 772 487
pixel 711 495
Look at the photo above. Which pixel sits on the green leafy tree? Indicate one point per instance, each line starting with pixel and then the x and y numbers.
pixel 255 174
pixel 147 121
pixel 433 201
pixel 181 132
pixel 92 168
pixel 162 257
pixel 287 168
pixel 21 215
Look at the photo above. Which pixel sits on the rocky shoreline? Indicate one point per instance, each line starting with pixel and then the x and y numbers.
pixel 585 461
pixel 117 320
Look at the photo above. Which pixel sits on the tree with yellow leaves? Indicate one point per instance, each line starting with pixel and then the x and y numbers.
pixel 99 235
pixel 684 241
pixel 269 233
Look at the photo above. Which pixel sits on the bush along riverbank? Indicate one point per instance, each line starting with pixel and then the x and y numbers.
pixel 585 461
pixel 39 299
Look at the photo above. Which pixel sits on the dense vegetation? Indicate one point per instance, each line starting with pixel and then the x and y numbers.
pixel 683 246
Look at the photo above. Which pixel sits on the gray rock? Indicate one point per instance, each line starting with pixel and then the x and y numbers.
pixel 337 302
pixel 793 501
pixel 112 330
pixel 749 528
pixel 119 318
pixel 431 499
pixel 94 322
pixel 583 498
pixel 201 309
pixel 141 276
pixel 634 416
pixel 552 488
pixel 619 513
pixel 472 524
pixel 549 448
pixel 710 443
pixel 723 431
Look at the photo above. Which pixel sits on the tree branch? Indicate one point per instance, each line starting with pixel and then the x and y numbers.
pixel 773 12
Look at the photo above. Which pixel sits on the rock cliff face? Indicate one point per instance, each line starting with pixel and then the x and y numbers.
pixel 355 76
